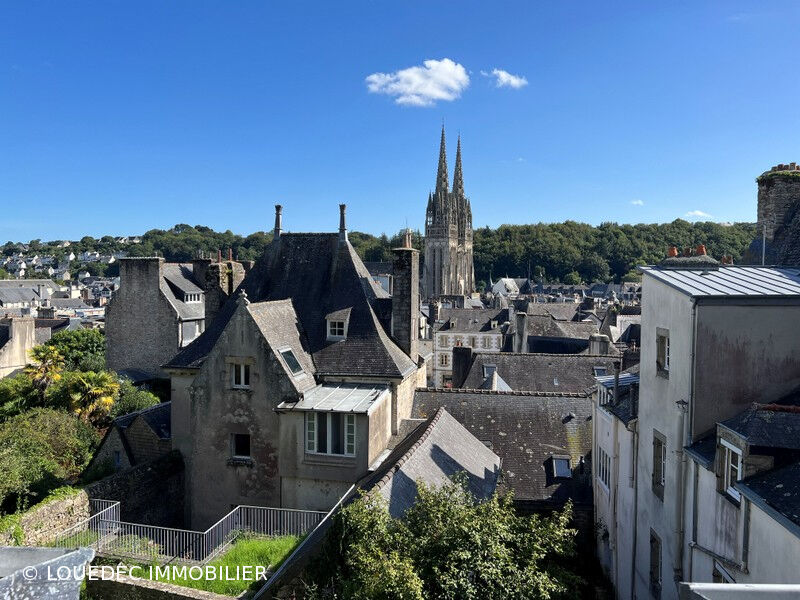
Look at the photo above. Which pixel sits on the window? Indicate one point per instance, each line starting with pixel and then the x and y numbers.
pixel 655 565
pixel 493 324
pixel 442 341
pixel 662 352
pixel 659 463
pixel 240 374
pixel 488 370
pixel 733 469
pixel 191 298
pixel 240 445
pixel 331 433
pixel 291 361
pixel 473 342
pixel 444 360
pixel 600 371
pixel 117 459
pixel 603 467
pixel 561 467
pixel 485 342
pixel 336 330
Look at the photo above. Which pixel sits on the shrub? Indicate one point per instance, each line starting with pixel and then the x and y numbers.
pixel 82 349
pixel 132 399
pixel 40 450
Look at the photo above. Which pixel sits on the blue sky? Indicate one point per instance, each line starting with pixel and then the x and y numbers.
pixel 118 117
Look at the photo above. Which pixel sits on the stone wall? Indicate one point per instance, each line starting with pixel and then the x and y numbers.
pixel 126 588
pixel 150 493
pixel 41 524
pixel 778 199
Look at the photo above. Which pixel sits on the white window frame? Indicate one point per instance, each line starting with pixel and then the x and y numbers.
pixel 333 329
pixel 727 484
pixel 662 334
pixel 314 418
pixel 244 373
pixel 603 468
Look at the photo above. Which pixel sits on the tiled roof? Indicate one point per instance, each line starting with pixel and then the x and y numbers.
pixel 539 372
pixel 730 280
pixel 525 429
pixel 433 453
pixel 320 276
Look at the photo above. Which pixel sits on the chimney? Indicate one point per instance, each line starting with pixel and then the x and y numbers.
pixel 405 297
pixel 521 332
pixel 219 255
pixel 276 233
pixel 701 250
pixel 435 309
pixel 342 226
pixel 230 254
pixel 599 344
pixel 462 362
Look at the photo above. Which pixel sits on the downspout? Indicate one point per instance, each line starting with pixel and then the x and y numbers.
pixel 634 477
pixel 680 503
pixel 693 541
pixel 615 478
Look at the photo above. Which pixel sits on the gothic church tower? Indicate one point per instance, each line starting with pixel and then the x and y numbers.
pixel 448 233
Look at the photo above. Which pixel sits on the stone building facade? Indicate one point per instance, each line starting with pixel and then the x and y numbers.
pixel 778 197
pixel 162 307
pixel 17 339
pixel 449 268
pixel 295 390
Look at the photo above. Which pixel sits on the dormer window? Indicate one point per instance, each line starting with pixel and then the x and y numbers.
pixel 732 469
pixel 336 330
pixel 493 324
pixel 191 298
pixel 336 324
pixel 488 370
pixel 561 467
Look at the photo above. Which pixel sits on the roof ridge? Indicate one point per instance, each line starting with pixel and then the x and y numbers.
pixel 432 422
pixel 505 393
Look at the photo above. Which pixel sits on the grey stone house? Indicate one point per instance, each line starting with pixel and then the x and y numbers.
pixel 295 390
pixel 162 307
pixel 17 339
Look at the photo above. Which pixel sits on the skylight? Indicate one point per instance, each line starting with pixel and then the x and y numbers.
pixel 291 361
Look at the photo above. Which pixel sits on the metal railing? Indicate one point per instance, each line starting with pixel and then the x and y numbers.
pixel 109 536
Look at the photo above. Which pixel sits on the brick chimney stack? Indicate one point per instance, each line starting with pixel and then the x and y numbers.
pixel 405 301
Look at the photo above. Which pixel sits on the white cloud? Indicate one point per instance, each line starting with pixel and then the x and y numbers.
pixel 422 85
pixel 698 214
pixel 637 202
pixel 506 79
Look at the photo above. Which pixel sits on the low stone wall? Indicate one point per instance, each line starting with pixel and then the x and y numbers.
pixel 41 524
pixel 125 588
pixel 151 493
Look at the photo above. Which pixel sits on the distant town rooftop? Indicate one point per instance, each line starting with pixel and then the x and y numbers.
pixel 730 280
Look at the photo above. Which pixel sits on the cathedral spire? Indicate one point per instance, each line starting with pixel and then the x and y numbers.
pixel 458 176
pixel 442 185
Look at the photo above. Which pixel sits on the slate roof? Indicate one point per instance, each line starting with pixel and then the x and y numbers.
pixel 433 453
pixel 5 334
pixel 65 303
pixel 176 281
pixel 158 417
pixel 778 489
pixel 473 320
pixel 379 267
pixel 730 281
pixel 539 372
pixel 17 295
pixel 547 326
pixel 770 425
pixel 525 429
pixel 281 329
pixel 704 450
pixel 320 276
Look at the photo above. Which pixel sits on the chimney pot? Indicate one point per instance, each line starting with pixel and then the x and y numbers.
pixel 672 251
pixel 278 218
pixel 701 250
pixel 342 225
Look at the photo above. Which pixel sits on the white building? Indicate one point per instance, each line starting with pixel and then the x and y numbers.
pixel 715 339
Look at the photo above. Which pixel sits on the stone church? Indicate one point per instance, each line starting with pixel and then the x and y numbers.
pixel 449 269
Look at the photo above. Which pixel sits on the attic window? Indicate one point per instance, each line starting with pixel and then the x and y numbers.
pixel 191 298
pixel 291 361
pixel 494 324
pixel 336 329
pixel 600 371
pixel 561 468
pixel 488 370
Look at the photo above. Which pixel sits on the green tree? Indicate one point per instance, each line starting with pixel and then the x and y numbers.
pixel 448 546
pixel 46 369
pixel 81 349
pixel 17 394
pixel 88 395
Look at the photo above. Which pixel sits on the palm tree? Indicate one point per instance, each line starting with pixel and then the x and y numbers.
pixel 92 395
pixel 48 363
